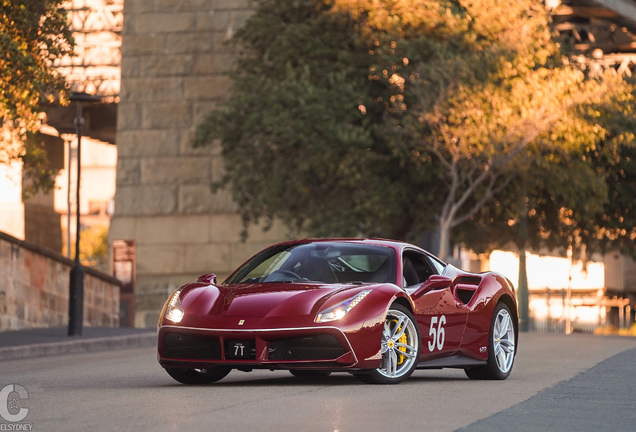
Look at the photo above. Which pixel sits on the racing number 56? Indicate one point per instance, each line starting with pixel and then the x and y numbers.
pixel 437 334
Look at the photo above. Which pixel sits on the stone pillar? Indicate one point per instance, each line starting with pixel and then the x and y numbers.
pixel 173 58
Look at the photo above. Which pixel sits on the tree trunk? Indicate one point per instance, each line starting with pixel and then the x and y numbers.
pixel 522 292
pixel 522 287
pixel 444 240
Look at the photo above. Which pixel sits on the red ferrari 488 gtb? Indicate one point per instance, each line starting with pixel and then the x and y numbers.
pixel 375 308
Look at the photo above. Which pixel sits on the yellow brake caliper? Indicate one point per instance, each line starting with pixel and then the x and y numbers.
pixel 401 340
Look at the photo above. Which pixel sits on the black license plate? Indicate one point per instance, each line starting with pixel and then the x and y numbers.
pixel 238 349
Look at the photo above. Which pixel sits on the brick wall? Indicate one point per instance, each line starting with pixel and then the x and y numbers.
pixel 34 287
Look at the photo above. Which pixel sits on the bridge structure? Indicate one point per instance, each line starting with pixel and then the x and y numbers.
pixel 603 31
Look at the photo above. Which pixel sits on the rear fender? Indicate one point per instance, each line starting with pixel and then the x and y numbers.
pixel 481 308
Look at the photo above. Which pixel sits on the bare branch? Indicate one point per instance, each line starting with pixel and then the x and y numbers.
pixel 490 193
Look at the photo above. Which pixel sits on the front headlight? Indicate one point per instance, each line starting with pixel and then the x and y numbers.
pixel 341 309
pixel 174 309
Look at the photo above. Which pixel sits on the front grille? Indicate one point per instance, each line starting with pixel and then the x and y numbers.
pixel 320 347
pixel 181 346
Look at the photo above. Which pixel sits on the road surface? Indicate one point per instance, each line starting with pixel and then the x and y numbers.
pixel 558 383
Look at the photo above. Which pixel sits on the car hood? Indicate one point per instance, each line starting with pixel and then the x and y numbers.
pixel 264 299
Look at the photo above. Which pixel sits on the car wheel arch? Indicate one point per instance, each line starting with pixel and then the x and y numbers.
pixel 404 302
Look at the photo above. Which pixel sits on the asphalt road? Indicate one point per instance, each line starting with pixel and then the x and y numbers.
pixel 576 382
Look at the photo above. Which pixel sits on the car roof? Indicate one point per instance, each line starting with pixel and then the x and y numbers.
pixel 399 245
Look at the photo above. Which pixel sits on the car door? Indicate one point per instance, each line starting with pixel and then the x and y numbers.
pixel 441 317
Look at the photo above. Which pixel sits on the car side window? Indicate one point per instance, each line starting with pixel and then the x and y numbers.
pixel 439 266
pixel 416 268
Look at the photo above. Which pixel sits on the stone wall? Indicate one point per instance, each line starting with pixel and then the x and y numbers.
pixel 34 287
pixel 174 54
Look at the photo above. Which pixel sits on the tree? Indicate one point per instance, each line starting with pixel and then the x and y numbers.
pixel 489 100
pixel 298 133
pixel 580 199
pixel 93 247
pixel 390 118
pixel 614 227
pixel 33 34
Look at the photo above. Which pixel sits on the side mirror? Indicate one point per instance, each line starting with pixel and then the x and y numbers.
pixel 207 278
pixel 436 282
pixel 433 283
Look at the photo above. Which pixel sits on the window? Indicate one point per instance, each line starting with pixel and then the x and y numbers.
pixel 327 262
pixel 416 268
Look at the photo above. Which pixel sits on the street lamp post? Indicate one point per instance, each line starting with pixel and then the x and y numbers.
pixel 76 289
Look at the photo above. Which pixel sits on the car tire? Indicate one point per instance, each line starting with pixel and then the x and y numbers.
pixel 397 364
pixel 309 373
pixel 501 347
pixel 198 376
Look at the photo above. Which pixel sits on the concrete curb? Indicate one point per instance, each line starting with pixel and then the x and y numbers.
pixel 142 340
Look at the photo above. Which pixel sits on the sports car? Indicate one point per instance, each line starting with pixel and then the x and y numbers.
pixel 377 309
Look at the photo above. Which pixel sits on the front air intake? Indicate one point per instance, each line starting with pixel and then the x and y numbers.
pixel 319 347
pixel 181 346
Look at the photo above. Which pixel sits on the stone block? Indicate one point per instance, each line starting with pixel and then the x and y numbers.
pixel 184 43
pixel 173 22
pixel 222 202
pixel 213 63
pixel 172 229
pixel 225 228
pixel 208 258
pixel 130 67
pixel 241 251
pixel 175 170
pixel 128 171
pixel 163 65
pixel 152 89
pixel 233 4
pixel 184 5
pixel 222 21
pixel 240 17
pixel 142 44
pixel 187 148
pixel 218 169
pixel 207 87
pixel 121 228
pixel 128 116
pixel 146 200
pixel 221 39
pixel 200 199
pixel 164 142
pixel 167 115
pixel 278 232
pixel 213 20
pixel 162 285
pixel 160 259
pixel 135 6
pixel 195 199
pixel 228 227
pixel 202 109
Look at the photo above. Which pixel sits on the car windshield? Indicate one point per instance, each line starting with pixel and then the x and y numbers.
pixel 326 262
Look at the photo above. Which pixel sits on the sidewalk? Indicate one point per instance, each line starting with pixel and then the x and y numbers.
pixel 54 341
